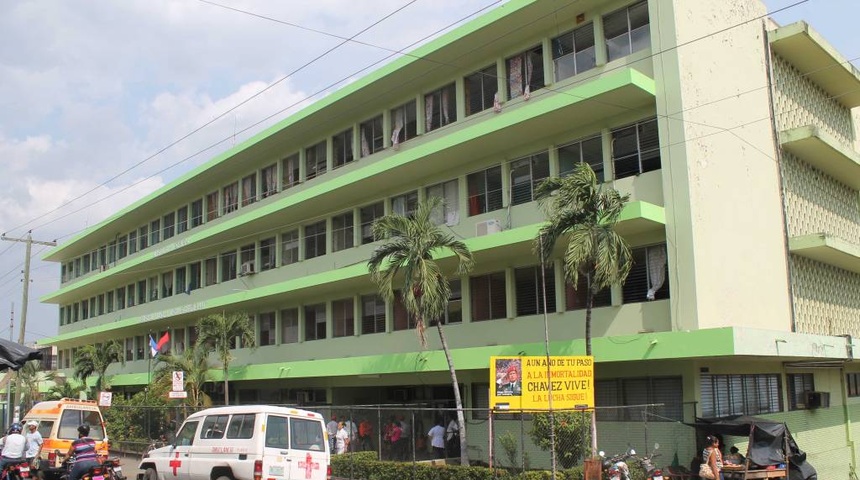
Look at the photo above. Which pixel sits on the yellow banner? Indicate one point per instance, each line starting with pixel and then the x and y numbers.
pixel 521 383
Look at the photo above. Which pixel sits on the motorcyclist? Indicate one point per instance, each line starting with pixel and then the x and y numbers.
pixel 84 451
pixel 14 446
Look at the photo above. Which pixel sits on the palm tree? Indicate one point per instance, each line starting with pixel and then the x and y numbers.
pixel 30 379
pixel 218 332
pixel 584 213
pixel 63 390
pixel 194 361
pixel 410 242
pixel 95 360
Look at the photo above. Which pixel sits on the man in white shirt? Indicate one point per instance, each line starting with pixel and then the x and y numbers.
pixel 437 439
pixel 14 446
pixel 453 438
pixel 34 440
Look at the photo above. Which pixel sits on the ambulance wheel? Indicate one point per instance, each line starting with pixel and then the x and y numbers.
pixel 224 477
pixel 150 474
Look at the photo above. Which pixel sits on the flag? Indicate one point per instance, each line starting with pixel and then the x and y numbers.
pixel 156 347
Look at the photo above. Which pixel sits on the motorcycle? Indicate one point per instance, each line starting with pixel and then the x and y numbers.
pixel 108 469
pixel 616 467
pixel 16 471
pixel 651 470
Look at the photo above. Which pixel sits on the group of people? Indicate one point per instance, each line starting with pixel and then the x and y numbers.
pixel 397 436
pixel 445 441
pixel 713 457
pixel 20 447
pixel 345 436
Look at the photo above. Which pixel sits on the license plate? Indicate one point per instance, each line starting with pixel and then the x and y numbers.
pixel 659 477
pixel 118 470
pixel 25 469
pixel 98 477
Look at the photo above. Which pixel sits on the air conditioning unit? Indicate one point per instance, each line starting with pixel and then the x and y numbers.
pixel 488 227
pixel 247 268
pixel 816 399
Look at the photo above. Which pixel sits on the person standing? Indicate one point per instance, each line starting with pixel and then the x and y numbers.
pixel 437 439
pixel 34 440
pixel 452 438
pixel 14 447
pixel 342 438
pixel 396 442
pixel 365 435
pixel 405 437
pixel 712 456
pixel 84 450
pixel 331 429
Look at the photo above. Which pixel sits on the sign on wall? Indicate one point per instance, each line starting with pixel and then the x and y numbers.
pixel 521 383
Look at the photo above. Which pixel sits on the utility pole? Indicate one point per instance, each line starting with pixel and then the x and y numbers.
pixel 29 242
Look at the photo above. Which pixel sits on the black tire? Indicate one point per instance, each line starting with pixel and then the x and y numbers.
pixel 150 474
pixel 224 477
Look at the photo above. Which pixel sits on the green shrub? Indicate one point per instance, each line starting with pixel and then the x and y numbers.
pixel 364 465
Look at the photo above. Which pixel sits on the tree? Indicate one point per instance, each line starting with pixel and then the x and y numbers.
pixel 95 360
pixel 407 256
pixel 30 379
pixel 571 432
pixel 584 213
pixel 194 361
pixel 218 332
pixel 63 389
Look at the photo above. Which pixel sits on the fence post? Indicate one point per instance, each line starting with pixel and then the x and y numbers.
pixel 379 432
pixel 490 440
pixel 522 443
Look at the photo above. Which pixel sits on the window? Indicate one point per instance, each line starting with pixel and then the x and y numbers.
pixel 525 73
pixel 231 197
pixel 241 426
pixel 485 190
pixel 211 271
pixel 153 288
pixel 342 232
pixel 120 298
pixel 402 319
pixel 755 394
pixel 488 297
pixel 169 224
pixel 315 160
pixel 636 149
pixel 648 278
pixel 481 88
pixel 798 384
pixel 343 317
pixel 404 124
pixel 372 136
pixel 315 322
pixel 185 437
pixel 290 171
pixel 305 434
pixel 290 247
pixel 528 284
pixel 575 299
pixel 449 212
pixel 228 266
pixel 440 108
pixel 111 252
pixel 182 220
pixel 123 246
pixel 141 292
pixel 372 314
pixel 72 419
pixel 370 214
pixel 267 328
pixel 249 189
pixel 212 206
pixel 269 177
pixel 194 277
pixel 181 283
pixel 573 52
pixel 589 150
pixel 246 258
pixel 109 301
pixel 197 213
pixel 619 392
pixel 129 349
pixel 627 31
pixel 277 432
pixel 214 426
pixel 314 240
pixel 454 310
pixel 86 264
pixel 290 325
pixel 143 233
pixel 853 381
pixel 342 148
pixel 130 293
pixel 526 175
pixel 405 204
pixel 267 253
pixel 167 284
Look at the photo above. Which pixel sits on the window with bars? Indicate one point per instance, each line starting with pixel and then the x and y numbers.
pixel 315 240
pixel 448 212
pixel 372 314
pixel 488 296
pixel 440 107
pixel 588 150
pixel 525 72
pixel 370 214
pixel 315 161
pixel 267 253
pixel 481 88
pixel 342 148
pixel 620 392
pixel 182 219
pixel 797 385
pixel 269 176
pixel 290 247
pixel 228 266
pixel 526 174
pixel 627 30
pixel 267 328
pixel 249 189
pixel 573 52
pixel 404 123
pixel 315 322
pixel 753 394
pixel 342 232
pixel 197 213
pixel 343 317
pixel 529 290
pixel 485 190
pixel 290 325
pixel 405 204
pixel 372 136
pixel 853 383
pixel 576 298
pixel 649 276
pixel 230 194
pixel 636 148
pixel 290 171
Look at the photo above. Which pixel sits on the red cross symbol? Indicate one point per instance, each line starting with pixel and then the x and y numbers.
pixel 175 463
pixel 309 465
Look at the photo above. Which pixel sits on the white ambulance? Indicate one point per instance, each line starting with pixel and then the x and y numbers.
pixel 256 442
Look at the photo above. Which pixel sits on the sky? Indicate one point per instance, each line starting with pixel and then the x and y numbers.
pixel 105 101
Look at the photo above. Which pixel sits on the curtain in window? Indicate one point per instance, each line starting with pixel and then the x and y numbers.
pixel 515 76
pixel 398 205
pixel 270 180
pixel 445 95
pixel 656 270
pixel 398 126
pixel 247 194
pixel 527 94
pixel 365 145
pixel 452 204
pixel 497 105
pixel 428 112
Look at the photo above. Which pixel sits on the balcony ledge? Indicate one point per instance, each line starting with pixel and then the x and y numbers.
pixel 824 152
pixel 825 248
pixel 804 48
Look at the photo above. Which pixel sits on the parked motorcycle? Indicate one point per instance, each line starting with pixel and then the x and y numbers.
pixel 616 467
pixel 651 470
